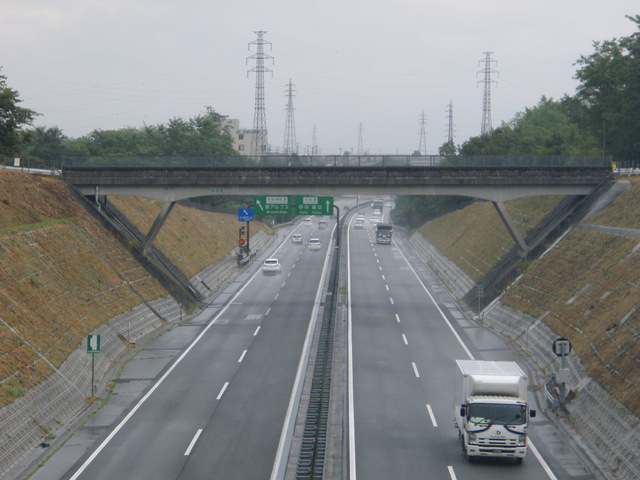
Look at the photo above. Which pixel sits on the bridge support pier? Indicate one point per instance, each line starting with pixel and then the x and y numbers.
pixel 155 228
pixel 511 228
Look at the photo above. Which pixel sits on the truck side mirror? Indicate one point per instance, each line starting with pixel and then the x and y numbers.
pixel 532 413
pixel 463 410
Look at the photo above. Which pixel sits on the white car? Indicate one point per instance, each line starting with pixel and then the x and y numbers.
pixel 296 238
pixel 271 265
pixel 307 222
pixel 375 220
pixel 314 244
pixel 377 212
pixel 322 224
pixel 359 225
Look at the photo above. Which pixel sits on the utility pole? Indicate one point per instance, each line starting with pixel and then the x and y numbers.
pixel 259 138
pixel 486 98
pixel 450 122
pixel 422 147
pixel 360 150
pixel 290 144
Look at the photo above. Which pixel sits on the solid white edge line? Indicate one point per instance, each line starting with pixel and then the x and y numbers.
pixel 545 467
pixel 535 451
pixel 222 390
pixel 284 445
pixel 350 396
pixel 137 406
pixel 193 442
pixel 432 416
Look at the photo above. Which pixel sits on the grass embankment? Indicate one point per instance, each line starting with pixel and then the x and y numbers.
pixel 62 274
pixel 586 289
pixel 192 239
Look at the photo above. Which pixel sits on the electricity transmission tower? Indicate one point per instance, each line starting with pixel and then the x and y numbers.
pixel 259 138
pixel 486 98
pixel 422 147
pixel 290 144
pixel 360 150
pixel 314 143
pixel 450 122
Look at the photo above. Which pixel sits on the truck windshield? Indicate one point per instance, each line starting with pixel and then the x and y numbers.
pixel 497 414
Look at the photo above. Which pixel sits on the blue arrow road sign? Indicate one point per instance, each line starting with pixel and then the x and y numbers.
pixel 245 214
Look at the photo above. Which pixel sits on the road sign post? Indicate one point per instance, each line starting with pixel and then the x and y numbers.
pixel 562 347
pixel 93 347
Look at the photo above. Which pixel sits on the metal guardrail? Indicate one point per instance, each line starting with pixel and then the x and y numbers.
pixel 549 161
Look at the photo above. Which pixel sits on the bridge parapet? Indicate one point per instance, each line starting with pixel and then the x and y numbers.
pixel 492 183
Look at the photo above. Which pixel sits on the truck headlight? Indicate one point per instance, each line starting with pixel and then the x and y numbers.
pixel 472 438
pixel 522 440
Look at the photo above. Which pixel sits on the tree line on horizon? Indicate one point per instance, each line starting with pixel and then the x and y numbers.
pixel 601 118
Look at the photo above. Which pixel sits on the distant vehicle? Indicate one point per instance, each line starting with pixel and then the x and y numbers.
pixel 296 238
pixel 374 220
pixel 359 224
pixel 490 410
pixel 360 217
pixel 322 224
pixel 307 222
pixel 271 266
pixel 378 204
pixel 314 244
pixel 383 233
pixel 377 212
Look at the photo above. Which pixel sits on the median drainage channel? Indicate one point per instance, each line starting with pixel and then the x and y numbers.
pixel 314 437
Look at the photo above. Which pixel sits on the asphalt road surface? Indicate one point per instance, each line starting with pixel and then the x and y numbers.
pixel 403 348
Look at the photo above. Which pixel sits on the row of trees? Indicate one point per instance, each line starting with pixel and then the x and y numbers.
pixel 602 118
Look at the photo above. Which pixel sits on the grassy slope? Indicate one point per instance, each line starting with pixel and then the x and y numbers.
pixel 62 274
pixel 586 288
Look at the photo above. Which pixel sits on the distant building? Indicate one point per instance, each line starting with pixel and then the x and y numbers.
pixel 242 137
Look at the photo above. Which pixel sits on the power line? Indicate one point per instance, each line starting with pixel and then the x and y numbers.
pixel 259 139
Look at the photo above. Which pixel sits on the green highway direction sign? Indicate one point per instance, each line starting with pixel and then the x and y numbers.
pixel 314 205
pixel 93 343
pixel 271 205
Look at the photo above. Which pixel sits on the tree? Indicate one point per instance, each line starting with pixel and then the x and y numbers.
pixel 12 118
pixel 610 89
pixel 43 146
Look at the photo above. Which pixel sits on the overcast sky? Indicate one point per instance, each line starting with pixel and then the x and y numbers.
pixel 109 64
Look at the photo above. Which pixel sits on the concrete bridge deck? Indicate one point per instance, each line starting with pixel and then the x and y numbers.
pixel 497 184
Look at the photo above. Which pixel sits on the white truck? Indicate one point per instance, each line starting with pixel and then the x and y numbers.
pixel 490 410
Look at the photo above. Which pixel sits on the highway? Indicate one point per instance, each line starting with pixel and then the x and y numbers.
pixel 221 409
pixel 402 351
pixel 225 407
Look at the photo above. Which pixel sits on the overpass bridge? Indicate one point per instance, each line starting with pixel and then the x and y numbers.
pixel 496 179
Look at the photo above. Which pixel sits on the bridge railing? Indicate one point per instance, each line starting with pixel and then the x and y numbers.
pixel 484 161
